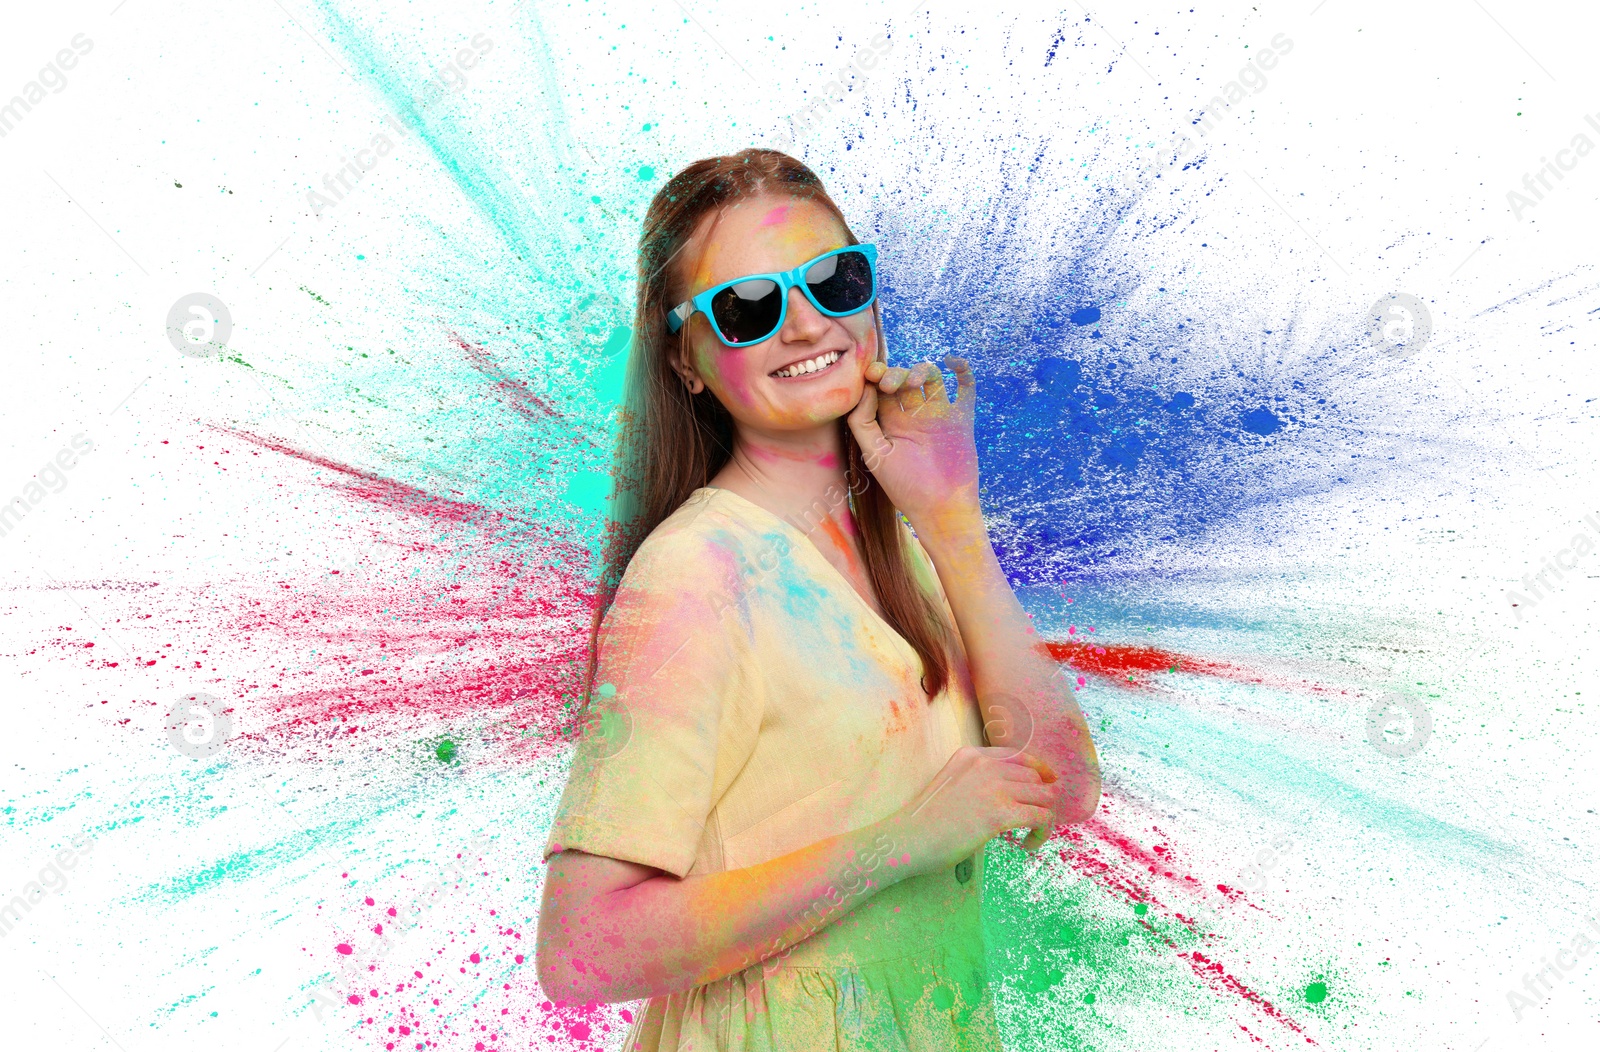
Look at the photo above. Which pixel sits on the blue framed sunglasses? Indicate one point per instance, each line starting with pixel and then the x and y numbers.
pixel 750 309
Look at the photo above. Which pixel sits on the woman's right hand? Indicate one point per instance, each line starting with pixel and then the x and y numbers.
pixel 980 793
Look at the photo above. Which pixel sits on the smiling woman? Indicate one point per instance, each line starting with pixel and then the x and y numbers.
pixel 786 851
pixel 718 222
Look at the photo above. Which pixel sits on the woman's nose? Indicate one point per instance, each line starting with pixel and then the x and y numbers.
pixel 804 322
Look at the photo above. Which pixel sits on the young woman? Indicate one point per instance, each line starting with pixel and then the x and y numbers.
pixel 810 719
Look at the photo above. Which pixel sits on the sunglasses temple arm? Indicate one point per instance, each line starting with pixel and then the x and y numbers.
pixel 678 315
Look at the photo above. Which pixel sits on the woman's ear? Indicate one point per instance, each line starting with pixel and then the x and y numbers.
pixel 691 379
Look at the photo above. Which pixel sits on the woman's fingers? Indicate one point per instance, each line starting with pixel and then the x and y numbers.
pixel 914 388
pixel 1034 817
pixel 929 381
pixel 1027 781
pixel 966 383
pixel 1016 772
pixel 1041 824
pixel 922 374
pixel 863 424
pixel 1045 771
pixel 897 378
pixel 891 380
pixel 913 392
pixel 1033 793
pixel 1037 836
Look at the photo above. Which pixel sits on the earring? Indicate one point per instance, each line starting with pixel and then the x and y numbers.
pixel 691 380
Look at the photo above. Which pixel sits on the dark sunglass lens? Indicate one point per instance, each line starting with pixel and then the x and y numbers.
pixel 748 311
pixel 841 283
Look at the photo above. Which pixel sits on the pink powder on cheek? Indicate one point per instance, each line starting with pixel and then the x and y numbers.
pixel 734 379
pixel 712 360
pixel 725 371
pixel 865 349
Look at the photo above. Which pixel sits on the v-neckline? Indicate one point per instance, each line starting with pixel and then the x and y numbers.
pixel 823 559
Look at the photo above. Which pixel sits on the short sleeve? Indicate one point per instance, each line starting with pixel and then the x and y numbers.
pixel 675 714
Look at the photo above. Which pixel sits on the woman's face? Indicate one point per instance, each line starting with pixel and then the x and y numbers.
pixel 763 235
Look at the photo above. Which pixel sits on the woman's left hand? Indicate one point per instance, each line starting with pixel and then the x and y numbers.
pixel 916 442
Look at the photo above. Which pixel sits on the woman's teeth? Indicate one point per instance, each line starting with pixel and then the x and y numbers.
pixel 810 366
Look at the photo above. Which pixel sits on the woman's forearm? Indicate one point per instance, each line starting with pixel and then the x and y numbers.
pixel 1027 701
pixel 919 445
pixel 665 934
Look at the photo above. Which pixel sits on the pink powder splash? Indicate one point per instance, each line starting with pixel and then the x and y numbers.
pixel 466 613
pixel 478 615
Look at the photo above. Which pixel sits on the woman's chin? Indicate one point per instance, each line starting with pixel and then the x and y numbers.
pixel 803 409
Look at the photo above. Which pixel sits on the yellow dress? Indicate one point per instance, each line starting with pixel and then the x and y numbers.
pixel 752 703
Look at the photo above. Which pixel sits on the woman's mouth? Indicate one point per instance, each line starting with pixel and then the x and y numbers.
pixel 809 367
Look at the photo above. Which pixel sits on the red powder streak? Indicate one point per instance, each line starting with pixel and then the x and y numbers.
pixel 1117 660
pixel 1216 976
pixel 1097 834
pixel 429 700
pixel 512 393
pixel 1129 668
pixel 1128 665
pixel 490 629
pixel 1131 849
pixel 1094 839
pixel 375 489
pixel 1092 865
pixel 1231 894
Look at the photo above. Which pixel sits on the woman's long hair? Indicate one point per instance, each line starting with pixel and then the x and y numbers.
pixel 672 442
